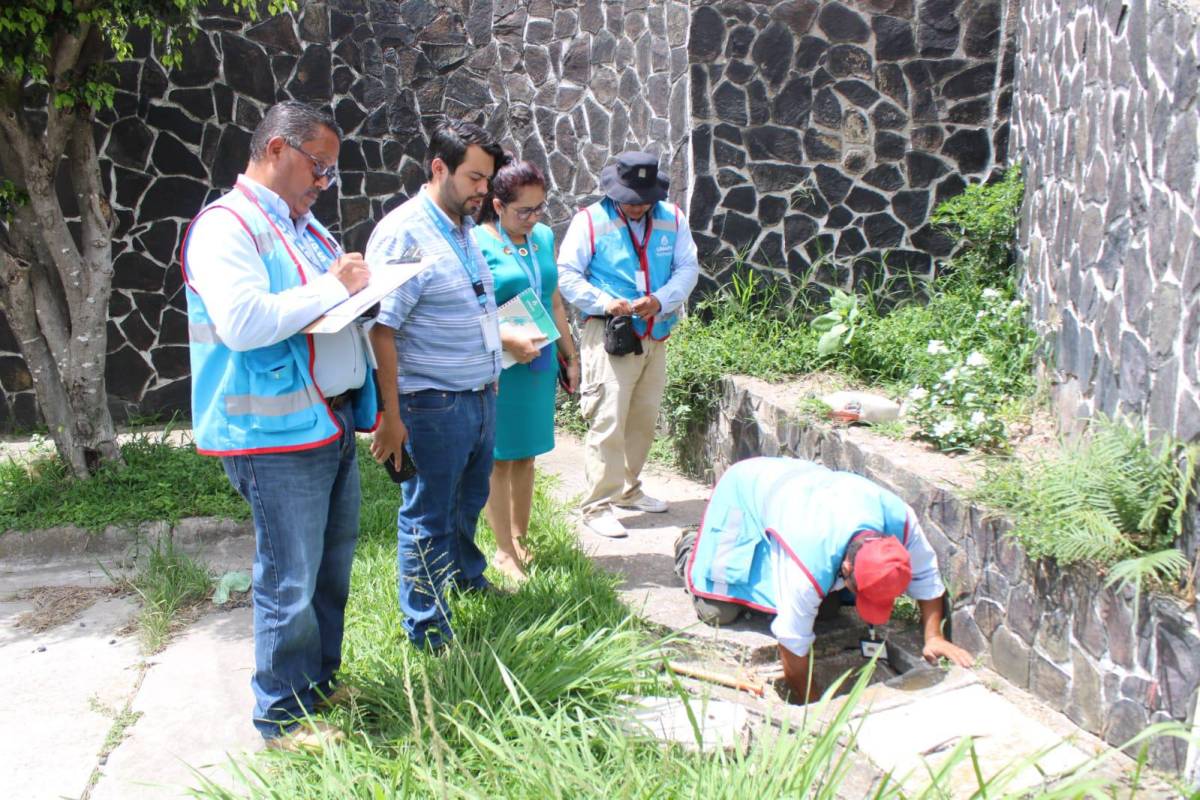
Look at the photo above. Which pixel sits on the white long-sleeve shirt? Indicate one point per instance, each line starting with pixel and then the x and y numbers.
pixel 797 599
pixel 575 257
pixel 225 269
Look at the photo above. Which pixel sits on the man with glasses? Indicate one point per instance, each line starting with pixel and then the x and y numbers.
pixel 782 535
pixel 629 255
pixel 437 341
pixel 281 407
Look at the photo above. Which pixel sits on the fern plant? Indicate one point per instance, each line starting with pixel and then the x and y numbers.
pixel 1113 500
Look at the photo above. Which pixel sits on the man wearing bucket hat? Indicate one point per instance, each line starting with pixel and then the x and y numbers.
pixel 627 263
pixel 780 535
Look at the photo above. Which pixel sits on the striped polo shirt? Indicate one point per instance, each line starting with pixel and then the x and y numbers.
pixel 436 315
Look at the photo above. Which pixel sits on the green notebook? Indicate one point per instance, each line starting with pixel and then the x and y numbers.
pixel 526 313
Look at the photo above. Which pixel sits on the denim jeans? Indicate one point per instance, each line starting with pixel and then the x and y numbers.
pixel 305 507
pixel 450 436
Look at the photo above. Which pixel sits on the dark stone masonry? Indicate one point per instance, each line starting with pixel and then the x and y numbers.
pixel 1105 122
pixel 828 131
pixel 1110 662
pixel 816 132
pixel 564 83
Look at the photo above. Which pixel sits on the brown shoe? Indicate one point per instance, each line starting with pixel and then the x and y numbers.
pixel 307 737
pixel 343 695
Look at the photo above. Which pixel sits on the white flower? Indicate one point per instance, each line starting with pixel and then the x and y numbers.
pixel 950 375
pixel 969 397
pixel 991 294
pixel 918 393
pixel 980 314
pixel 1015 304
pixel 936 347
pixel 945 427
pixel 977 359
pixel 977 419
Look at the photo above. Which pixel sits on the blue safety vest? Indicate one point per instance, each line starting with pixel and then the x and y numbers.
pixel 617 257
pixel 812 512
pixel 264 400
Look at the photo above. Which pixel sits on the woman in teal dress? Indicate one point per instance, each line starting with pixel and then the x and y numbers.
pixel 520 252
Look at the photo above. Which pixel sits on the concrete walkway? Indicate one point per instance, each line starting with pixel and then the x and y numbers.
pixel 185 710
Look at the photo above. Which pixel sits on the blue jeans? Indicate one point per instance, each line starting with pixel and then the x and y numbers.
pixel 305 507
pixel 450 437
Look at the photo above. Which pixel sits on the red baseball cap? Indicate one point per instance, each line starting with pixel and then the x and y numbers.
pixel 882 571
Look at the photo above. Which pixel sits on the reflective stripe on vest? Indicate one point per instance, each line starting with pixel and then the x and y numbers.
pixel 264 241
pixel 726 546
pixel 199 333
pixel 281 405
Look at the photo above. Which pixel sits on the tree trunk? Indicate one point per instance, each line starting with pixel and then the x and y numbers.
pixel 55 292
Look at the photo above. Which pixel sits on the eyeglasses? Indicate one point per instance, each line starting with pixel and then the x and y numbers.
pixel 526 214
pixel 329 173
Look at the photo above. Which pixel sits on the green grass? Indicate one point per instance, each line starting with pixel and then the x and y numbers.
pixel 167 582
pixel 566 414
pixel 159 481
pixel 746 329
pixel 528 702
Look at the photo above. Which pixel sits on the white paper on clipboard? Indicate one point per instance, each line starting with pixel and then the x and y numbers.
pixel 385 279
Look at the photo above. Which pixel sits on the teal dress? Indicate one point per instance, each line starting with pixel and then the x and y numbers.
pixel 525 404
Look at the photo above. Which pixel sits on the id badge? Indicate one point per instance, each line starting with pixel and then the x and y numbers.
pixel 870 648
pixel 639 278
pixel 490 325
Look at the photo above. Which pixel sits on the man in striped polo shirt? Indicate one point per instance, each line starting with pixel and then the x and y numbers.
pixel 438 345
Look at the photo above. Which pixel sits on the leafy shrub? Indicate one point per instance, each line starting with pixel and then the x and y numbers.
pixel 960 384
pixel 984 218
pixel 956 411
pixel 744 329
pixel 748 328
pixel 838 326
pixel 1111 500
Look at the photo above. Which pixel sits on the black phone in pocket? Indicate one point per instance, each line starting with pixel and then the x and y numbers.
pixel 407 470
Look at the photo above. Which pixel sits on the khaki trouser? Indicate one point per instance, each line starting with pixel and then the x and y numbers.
pixel 619 397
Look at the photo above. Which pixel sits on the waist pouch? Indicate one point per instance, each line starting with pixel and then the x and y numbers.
pixel 620 339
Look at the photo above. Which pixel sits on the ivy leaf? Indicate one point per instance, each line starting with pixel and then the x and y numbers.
pixel 825 322
pixel 831 340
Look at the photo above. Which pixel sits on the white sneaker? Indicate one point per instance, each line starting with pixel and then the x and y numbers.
pixel 607 525
pixel 646 503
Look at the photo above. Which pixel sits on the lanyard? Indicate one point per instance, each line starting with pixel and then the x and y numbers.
pixel 320 251
pixel 640 251
pixel 464 257
pixel 530 268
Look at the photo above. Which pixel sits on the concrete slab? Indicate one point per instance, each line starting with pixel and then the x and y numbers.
pixel 915 739
pixel 61 689
pixel 195 702
pixel 16 575
pixel 701 724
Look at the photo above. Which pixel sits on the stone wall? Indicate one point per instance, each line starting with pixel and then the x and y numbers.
pixel 1111 665
pixel 1105 124
pixel 565 83
pixel 826 132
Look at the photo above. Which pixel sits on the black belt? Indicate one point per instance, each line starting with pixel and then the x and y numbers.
pixel 339 400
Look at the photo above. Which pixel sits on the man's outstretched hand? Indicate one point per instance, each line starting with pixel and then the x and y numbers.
pixel 940 647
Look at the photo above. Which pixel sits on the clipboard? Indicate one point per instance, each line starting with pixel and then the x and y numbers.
pixel 385 279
